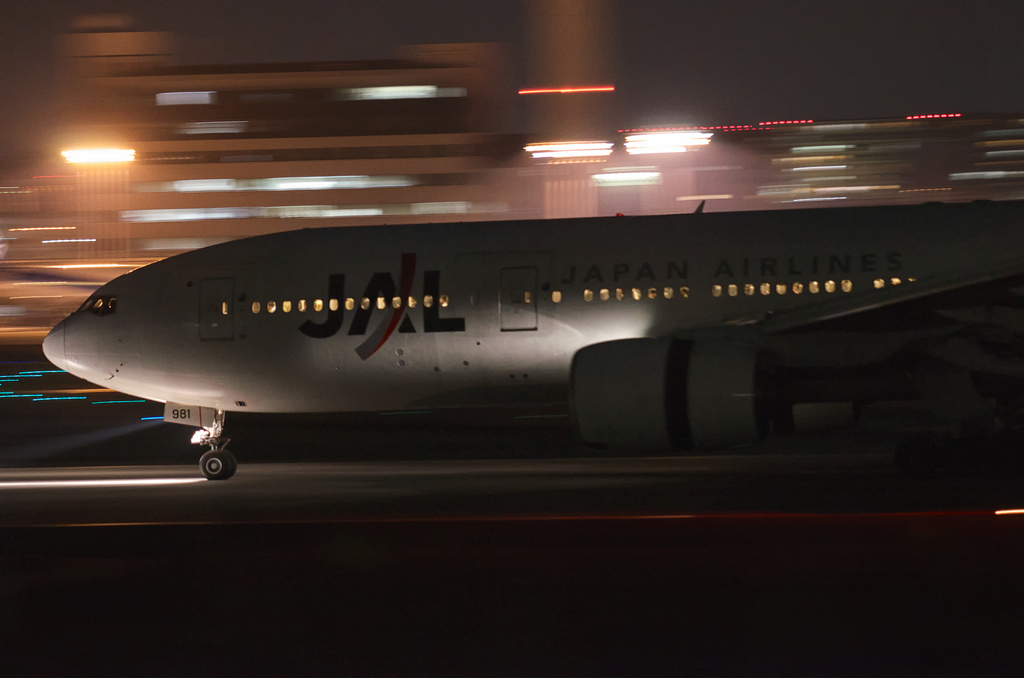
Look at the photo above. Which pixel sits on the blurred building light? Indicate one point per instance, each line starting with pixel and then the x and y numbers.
pixel 70 266
pixel 570 149
pixel 47 242
pixel 988 154
pixel 720 196
pixel 402 92
pixel 46 228
pixel 986 175
pixel 626 178
pixel 816 168
pixel 817 199
pixel 569 90
pixel 185 98
pixel 785 122
pixel 830 148
pixel 214 127
pixel 665 142
pixel 87 155
pixel 277 184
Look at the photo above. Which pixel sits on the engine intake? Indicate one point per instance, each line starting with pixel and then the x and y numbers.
pixel 661 394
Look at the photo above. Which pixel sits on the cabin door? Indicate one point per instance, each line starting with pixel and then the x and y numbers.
pixel 216 310
pixel 518 303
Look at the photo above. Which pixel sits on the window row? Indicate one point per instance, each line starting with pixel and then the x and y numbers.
pixel 350 304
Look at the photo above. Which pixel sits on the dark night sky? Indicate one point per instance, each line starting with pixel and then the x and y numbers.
pixel 680 61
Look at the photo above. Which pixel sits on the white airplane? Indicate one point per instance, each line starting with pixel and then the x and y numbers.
pixel 700 330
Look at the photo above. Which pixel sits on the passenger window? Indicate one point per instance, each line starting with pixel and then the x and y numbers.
pixel 381 303
pixel 255 307
pixel 879 283
pixel 766 289
pixel 604 295
pixel 223 307
pixel 428 300
pixel 830 286
pixel 350 305
pixel 365 303
pixel 780 288
pixel 444 301
pixel 318 305
pixel 636 294
pixel 716 291
pixel 620 294
pixel 733 290
pixel 684 292
pixel 271 306
pixel 396 302
pixel 814 287
pixel 556 297
pixel 302 305
pixel 798 287
pixel 749 290
pixel 895 281
pixel 847 285
pixel 412 302
pixel 332 304
pixel 286 306
pixel 652 293
pixel 588 295
pixel 669 292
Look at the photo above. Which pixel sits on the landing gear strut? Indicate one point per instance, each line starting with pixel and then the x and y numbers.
pixel 218 463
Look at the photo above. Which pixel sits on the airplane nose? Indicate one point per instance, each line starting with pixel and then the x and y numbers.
pixel 53 346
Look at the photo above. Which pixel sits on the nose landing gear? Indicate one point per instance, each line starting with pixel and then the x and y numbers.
pixel 218 463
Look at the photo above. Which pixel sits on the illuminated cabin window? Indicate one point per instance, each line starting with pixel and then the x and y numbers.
pixel 396 302
pixel 333 304
pixel 766 289
pixel 286 306
pixel 527 298
pixel 255 307
pixel 749 289
pixel 620 293
pixel 556 297
pixel 588 295
pixel 302 305
pixel 428 300
pixel 444 301
pixel 271 306
pixel 652 293
pixel 381 303
pixel 879 283
pixel 98 304
pixel 847 285
pixel 365 303
pixel 733 290
pixel 830 286
pixel 603 295
pixel 350 304
pixel 911 279
pixel 637 294
pixel 895 281
pixel 223 308
pixel 684 292
pixel 814 287
pixel 412 302
pixel 669 292
pixel 798 287
pixel 716 291
pixel 780 288
pixel 318 305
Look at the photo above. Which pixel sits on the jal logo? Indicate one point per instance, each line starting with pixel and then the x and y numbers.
pixel 382 285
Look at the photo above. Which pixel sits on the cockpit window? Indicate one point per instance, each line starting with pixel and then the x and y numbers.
pixel 104 305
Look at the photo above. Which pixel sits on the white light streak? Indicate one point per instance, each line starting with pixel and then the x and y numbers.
pixel 626 178
pixel 69 484
pixel 665 142
pixel 185 98
pixel 99 155
pixel 570 149
pixel 48 242
pixel 818 167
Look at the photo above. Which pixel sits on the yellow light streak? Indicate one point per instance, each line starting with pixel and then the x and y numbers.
pixel 97 155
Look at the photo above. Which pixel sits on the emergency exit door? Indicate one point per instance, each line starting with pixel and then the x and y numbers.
pixel 518 307
pixel 216 312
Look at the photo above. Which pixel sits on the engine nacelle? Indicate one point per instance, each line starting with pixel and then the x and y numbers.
pixel 660 394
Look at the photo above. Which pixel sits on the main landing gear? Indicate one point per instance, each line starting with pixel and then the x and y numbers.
pixel 218 463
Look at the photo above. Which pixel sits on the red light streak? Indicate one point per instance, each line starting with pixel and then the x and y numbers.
pixel 569 90
pixel 934 115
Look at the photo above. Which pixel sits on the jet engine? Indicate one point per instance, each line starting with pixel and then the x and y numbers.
pixel 660 394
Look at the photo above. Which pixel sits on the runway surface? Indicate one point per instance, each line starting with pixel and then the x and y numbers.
pixel 483 545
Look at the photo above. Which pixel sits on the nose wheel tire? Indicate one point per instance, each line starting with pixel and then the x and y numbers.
pixel 218 464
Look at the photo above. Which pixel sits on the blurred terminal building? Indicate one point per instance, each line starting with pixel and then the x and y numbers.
pixel 161 158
